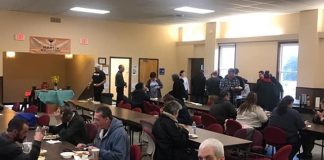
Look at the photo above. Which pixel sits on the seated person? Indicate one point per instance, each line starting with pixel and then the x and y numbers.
pixel 70 126
pixel 290 121
pixel 171 137
pixel 211 149
pixel 183 116
pixel 139 96
pixel 17 132
pixel 308 138
pixel 112 139
pixel 249 114
pixel 223 109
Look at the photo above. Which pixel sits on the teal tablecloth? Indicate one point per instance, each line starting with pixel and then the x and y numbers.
pixel 54 96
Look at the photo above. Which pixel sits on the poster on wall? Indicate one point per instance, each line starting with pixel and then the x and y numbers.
pixel 161 71
pixel 46 45
pixel 134 70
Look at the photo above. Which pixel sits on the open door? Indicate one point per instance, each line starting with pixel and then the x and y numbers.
pixel 114 63
pixel 146 66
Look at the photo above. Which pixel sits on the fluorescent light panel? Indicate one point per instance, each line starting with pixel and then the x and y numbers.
pixel 89 10
pixel 10 54
pixel 194 10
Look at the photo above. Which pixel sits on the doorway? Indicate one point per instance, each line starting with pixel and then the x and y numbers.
pixel 146 66
pixel 114 63
pixel 196 65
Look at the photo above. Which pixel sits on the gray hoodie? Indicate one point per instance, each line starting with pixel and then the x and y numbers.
pixel 114 145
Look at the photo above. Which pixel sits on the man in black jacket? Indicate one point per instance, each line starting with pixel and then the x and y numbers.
pixel 71 126
pixel 98 80
pixel 223 109
pixel 139 96
pixel 17 132
pixel 120 83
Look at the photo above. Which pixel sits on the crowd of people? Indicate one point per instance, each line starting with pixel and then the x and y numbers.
pixel 169 130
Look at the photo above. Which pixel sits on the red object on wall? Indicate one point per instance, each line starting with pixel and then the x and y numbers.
pixel 84 41
pixel 19 37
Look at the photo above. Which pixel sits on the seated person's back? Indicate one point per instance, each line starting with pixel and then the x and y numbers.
pixel 71 128
pixel 223 109
pixel 139 95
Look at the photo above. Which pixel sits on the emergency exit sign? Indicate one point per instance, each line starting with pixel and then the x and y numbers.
pixel 19 37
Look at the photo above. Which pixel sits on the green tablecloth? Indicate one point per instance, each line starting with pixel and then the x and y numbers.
pixel 54 96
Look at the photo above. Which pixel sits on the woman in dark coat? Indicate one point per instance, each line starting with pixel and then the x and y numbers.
pixel 170 136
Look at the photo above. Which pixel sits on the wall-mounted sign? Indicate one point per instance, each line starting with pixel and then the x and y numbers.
pixel 46 45
pixel 84 41
pixel 161 71
pixel 19 37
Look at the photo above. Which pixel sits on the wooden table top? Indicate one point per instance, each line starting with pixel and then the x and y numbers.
pixel 135 117
pixel 318 128
pixel 203 108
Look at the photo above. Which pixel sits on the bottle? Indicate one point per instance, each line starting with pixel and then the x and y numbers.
pixel 194 127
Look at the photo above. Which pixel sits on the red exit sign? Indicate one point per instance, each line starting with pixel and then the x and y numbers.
pixel 84 41
pixel 19 37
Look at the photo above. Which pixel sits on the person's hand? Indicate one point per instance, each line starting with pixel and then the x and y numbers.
pixel 81 146
pixel 38 136
pixel 182 126
pixel 91 147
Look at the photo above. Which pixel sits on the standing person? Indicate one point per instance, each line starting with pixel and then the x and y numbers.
pixel 154 85
pixel 241 80
pixel 290 121
pixel 198 84
pixel 230 84
pixel 185 82
pixel 212 86
pixel 120 83
pixel 16 133
pixel 267 93
pixel 112 139
pixel 178 90
pixel 279 87
pixel 98 80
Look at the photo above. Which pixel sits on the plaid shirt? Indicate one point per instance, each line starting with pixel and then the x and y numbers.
pixel 226 83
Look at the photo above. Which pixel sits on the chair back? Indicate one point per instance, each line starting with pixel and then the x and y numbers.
pixel 146 125
pixel 207 119
pixel 232 126
pixel 31 109
pixel 91 130
pixel 126 106
pixel 197 120
pixel 215 128
pixel 43 120
pixel 16 107
pixel 151 142
pixel 253 135
pixel 120 103
pixel 275 136
pixel 283 153
pixel 137 109
pixel 151 108
pixel 135 152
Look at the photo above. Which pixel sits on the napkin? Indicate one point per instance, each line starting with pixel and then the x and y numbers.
pixel 53 141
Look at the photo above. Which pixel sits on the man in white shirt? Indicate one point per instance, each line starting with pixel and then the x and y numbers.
pixel 185 82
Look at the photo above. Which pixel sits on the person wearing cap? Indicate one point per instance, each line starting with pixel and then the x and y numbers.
pixel 98 80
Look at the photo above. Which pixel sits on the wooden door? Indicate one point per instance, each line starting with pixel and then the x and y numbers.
pixel 146 66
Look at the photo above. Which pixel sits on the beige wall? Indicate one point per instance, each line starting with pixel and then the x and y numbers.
pixel 27 70
pixel 106 38
pixel 255 56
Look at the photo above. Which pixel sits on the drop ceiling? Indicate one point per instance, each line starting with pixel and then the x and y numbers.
pixel 159 11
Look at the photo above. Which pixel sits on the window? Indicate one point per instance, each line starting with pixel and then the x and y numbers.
pixel 288 63
pixel 226 58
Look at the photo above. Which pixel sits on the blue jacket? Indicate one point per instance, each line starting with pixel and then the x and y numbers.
pixel 115 144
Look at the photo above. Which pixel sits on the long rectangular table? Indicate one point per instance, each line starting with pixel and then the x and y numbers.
pixel 132 117
pixel 53 150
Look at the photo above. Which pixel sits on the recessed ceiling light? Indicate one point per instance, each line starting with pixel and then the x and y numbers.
pixel 89 10
pixel 194 10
